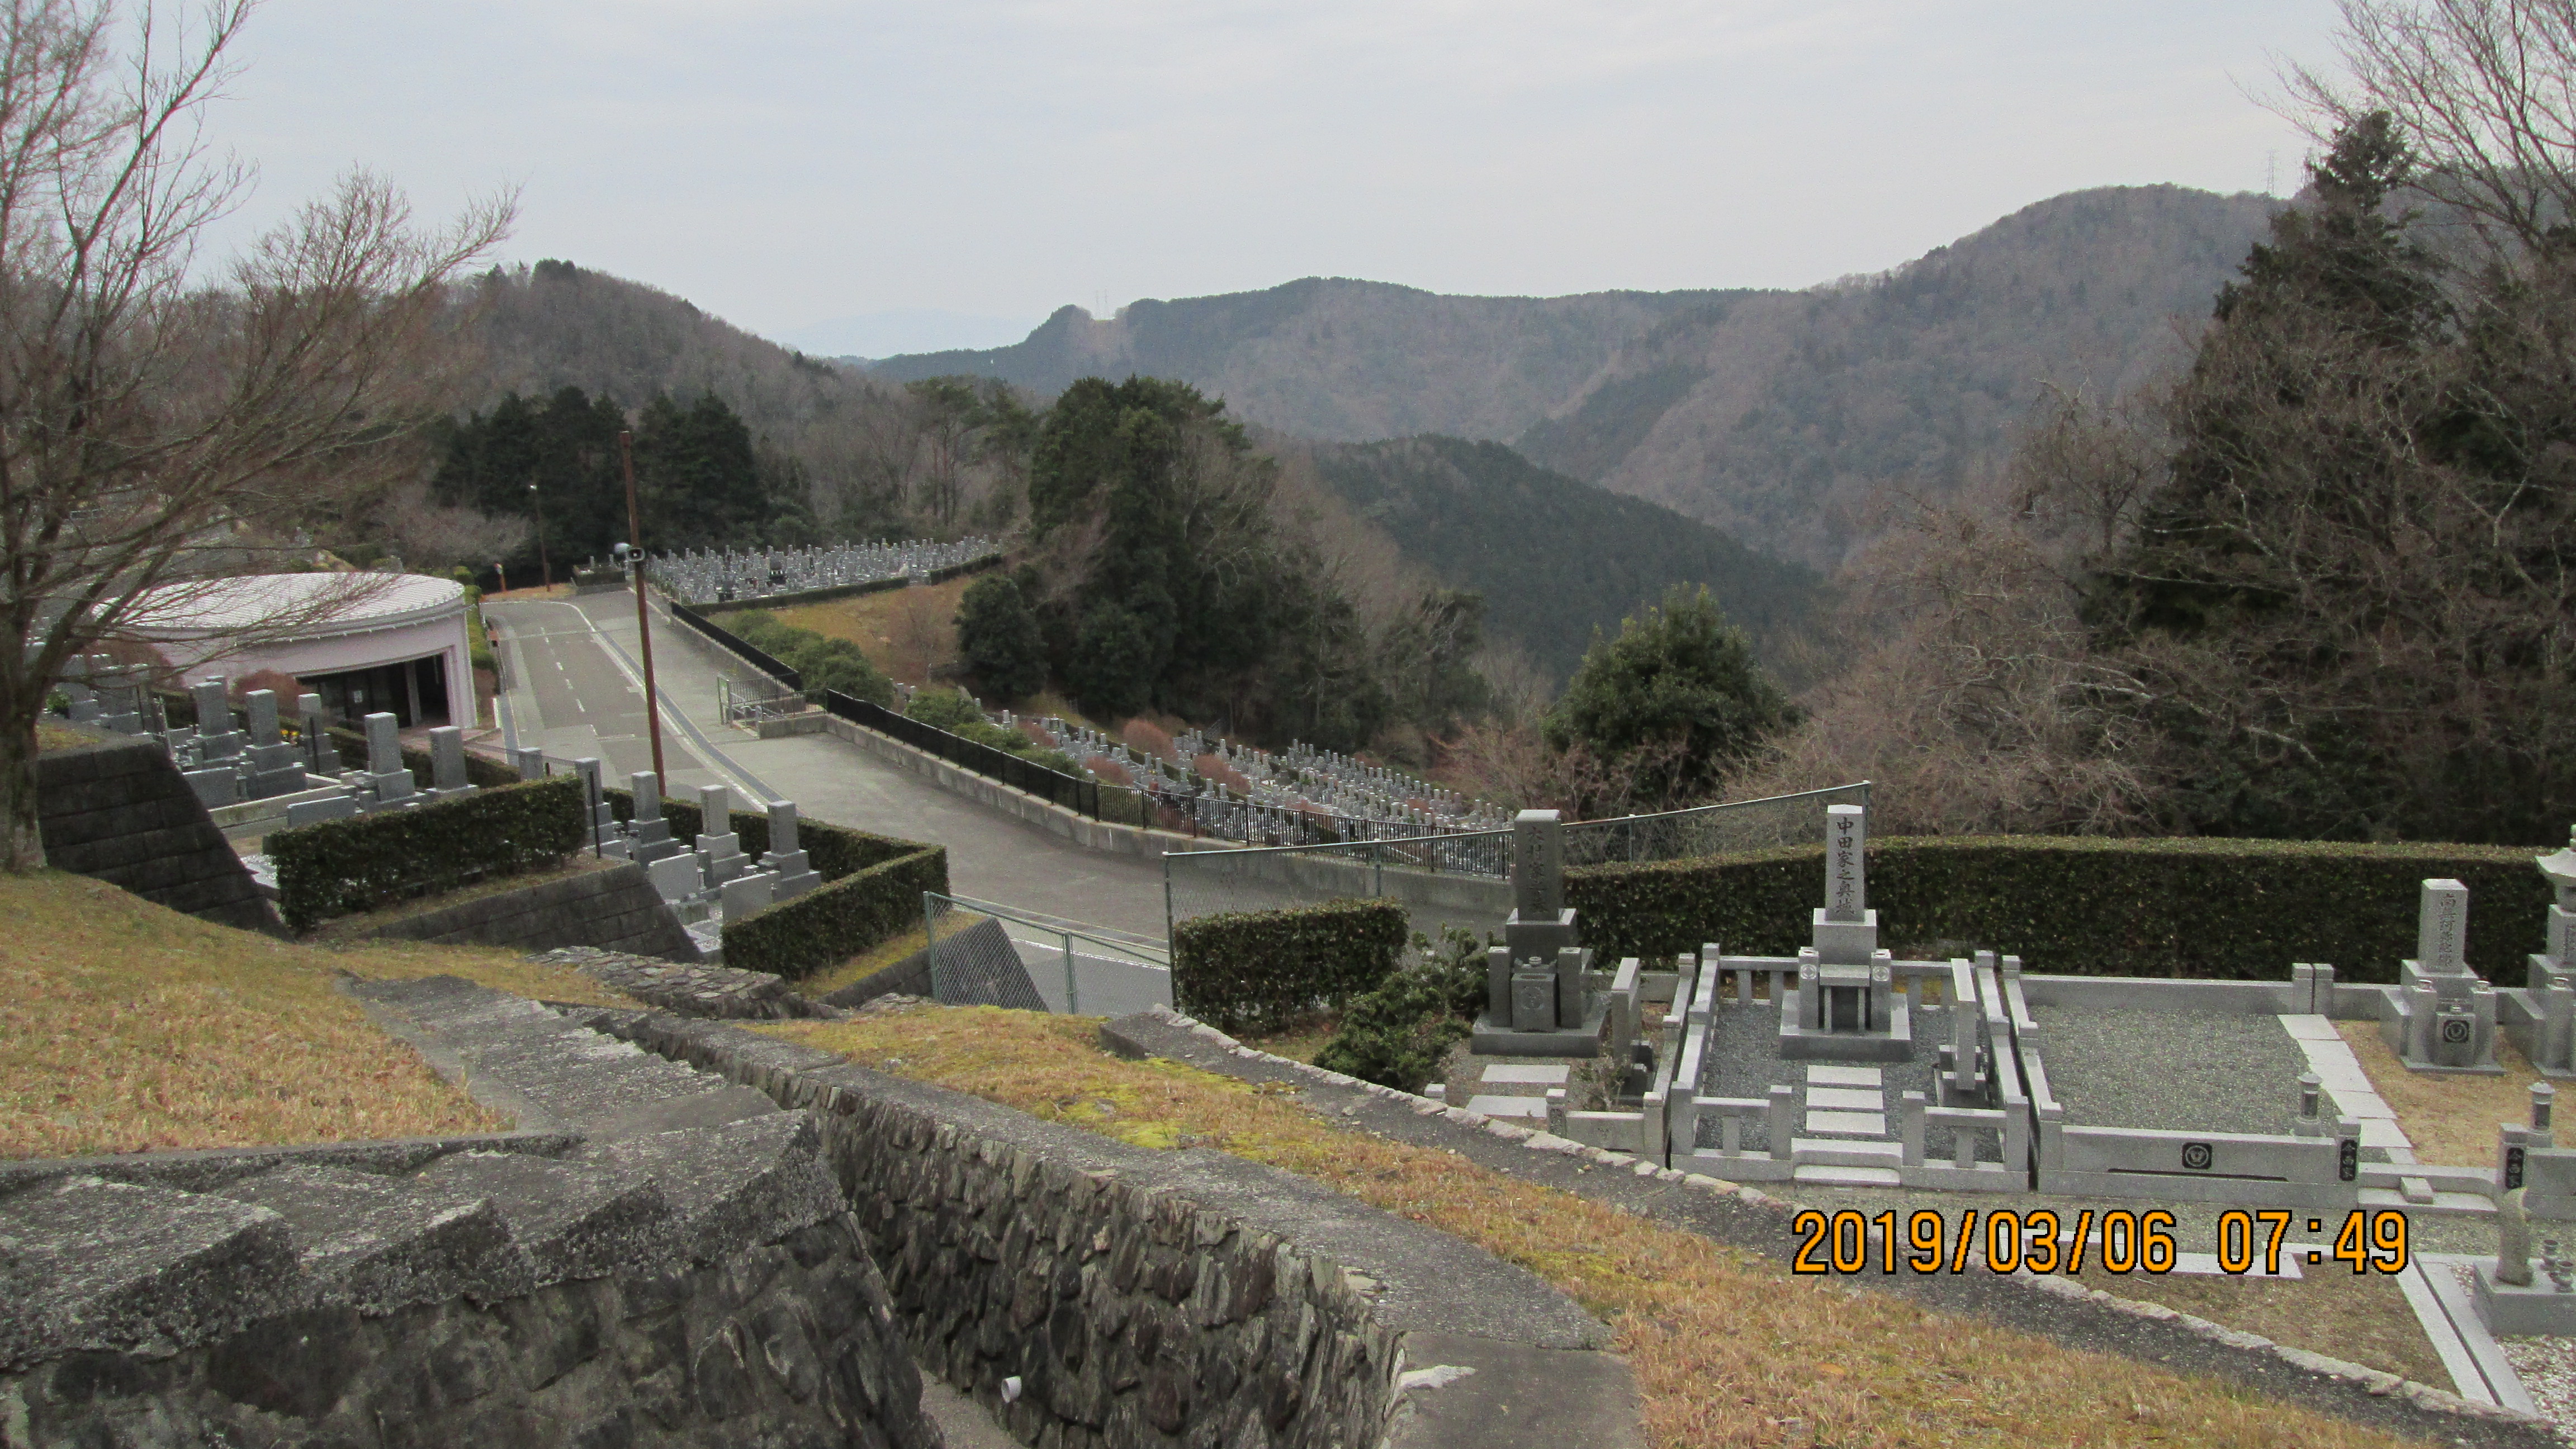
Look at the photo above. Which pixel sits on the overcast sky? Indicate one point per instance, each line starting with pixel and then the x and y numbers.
pixel 879 177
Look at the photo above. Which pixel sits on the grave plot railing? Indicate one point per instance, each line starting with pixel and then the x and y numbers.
pixel 1439 875
pixel 1082 796
pixel 1707 829
pixel 751 702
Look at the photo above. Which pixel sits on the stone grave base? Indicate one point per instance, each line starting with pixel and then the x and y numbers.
pixel 1490 1040
pixel 2516 1311
pixel 1896 1044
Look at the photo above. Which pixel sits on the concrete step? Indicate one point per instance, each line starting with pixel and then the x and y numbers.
pixel 1840 1152
pixel 113 1265
pixel 1847 1176
pixel 1821 1123
pixel 381 1243
pixel 573 1219
pixel 2444 1204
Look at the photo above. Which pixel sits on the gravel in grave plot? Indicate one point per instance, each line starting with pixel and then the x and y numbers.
pixel 2172 1071
pixel 1744 1060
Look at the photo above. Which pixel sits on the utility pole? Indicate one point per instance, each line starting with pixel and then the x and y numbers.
pixel 536 502
pixel 643 620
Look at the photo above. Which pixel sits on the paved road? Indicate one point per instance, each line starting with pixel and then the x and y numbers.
pixel 575 687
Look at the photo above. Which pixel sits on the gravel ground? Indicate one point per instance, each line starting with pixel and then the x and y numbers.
pixel 2546 1366
pixel 1744 1061
pixel 2175 1071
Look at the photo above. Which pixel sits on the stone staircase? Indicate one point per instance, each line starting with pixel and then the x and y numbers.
pixel 662 1168
pixel 1844 1120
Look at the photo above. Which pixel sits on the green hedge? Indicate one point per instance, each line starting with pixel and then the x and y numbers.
pixel 2230 909
pixel 831 923
pixel 1259 969
pixel 341 866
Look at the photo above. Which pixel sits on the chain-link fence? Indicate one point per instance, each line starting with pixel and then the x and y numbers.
pixel 1465 880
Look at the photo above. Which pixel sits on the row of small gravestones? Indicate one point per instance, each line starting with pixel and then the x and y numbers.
pixel 717 577
pixel 710 880
pixel 227 766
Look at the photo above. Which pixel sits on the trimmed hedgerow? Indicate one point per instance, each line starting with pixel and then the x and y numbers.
pixel 1256 969
pixel 831 923
pixel 2078 906
pixel 342 866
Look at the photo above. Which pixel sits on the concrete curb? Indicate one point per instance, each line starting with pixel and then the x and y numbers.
pixel 2373 1381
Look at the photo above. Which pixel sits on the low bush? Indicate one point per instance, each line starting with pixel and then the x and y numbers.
pixel 1251 970
pixel 946 709
pixel 822 661
pixel 342 866
pixel 1398 1034
pixel 2086 906
pixel 831 923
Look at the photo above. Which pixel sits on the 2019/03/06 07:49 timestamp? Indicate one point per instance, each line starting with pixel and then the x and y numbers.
pixel 2117 1241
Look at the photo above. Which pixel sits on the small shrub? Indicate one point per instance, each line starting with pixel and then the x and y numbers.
pixel 1109 771
pixel 1150 740
pixel 1398 1034
pixel 946 709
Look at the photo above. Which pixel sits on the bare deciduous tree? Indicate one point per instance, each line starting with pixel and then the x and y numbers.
pixel 148 422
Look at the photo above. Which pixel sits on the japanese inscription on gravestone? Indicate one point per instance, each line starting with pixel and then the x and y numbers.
pixel 1538 864
pixel 2441 928
pixel 1845 835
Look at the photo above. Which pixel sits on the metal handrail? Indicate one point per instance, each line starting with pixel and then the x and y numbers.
pixel 1137 946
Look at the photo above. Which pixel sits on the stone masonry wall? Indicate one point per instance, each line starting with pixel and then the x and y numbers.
pixel 613 907
pixel 1089 1293
pixel 786 1343
pixel 120 811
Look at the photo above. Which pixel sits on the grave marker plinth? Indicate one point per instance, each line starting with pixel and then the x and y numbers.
pixel 2442 1017
pixel 1540 999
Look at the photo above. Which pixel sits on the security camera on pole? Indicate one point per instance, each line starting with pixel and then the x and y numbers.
pixel 631 553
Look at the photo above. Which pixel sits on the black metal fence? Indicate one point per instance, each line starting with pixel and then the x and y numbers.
pixel 758 658
pixel 1010 769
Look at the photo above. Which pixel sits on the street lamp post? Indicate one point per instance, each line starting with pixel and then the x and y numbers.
pixel 643 620
pixel 536 503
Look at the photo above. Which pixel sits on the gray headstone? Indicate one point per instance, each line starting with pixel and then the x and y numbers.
pixel 261 706
pixel 214 714
pixel 647 788
pixel 745 894
pixel 1846 842
pixel 715 809
pixel 2442 927
pixel 319 757
pixel 530 761
pixel 310 812
pixel 782 827
pixel 447 758
pixel 384 743
pixel 1538 864
pixel 675 877
pixel 1533 1001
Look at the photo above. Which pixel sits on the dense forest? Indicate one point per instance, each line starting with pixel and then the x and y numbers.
pixel 1557 560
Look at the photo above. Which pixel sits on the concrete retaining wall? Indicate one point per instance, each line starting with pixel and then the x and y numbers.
pixel 614 908
pixel 1091 1293
pixel 120 811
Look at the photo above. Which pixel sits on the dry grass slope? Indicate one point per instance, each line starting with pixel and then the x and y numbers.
pixel 126 1027
pixel 1728 1348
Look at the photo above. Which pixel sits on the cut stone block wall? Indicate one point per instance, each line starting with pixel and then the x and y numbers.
pixel 703 1286
pixel 615 909
pixel 1089 1293
pixel 121 812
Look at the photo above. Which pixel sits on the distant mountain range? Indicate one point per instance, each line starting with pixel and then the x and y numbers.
pixel 1774 415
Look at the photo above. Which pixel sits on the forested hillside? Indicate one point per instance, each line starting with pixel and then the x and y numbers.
pixel 1781 419
pixel 1331 358
pixel 1556 559
pixel 1774 415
